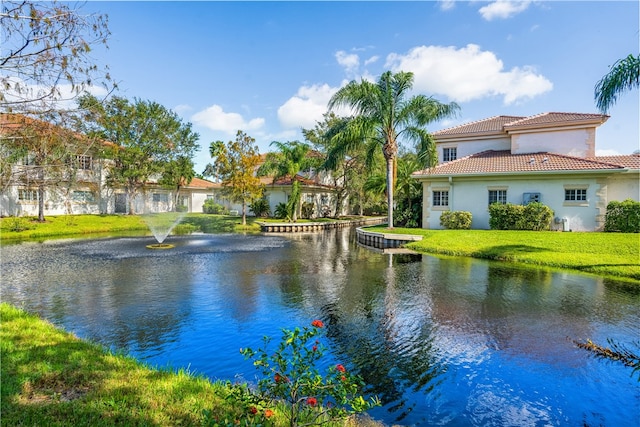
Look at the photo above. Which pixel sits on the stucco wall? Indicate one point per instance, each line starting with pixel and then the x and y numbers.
pixel 471 194
pixel 467 148
pixel 576 142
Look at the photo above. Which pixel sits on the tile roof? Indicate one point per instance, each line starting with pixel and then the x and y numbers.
pixel 491 125
pixel 557 119
pixel 490 162
pixel 502 124
pixel 202 183
pixel 630 161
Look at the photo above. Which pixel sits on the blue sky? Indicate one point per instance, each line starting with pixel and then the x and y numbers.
pixel 269 68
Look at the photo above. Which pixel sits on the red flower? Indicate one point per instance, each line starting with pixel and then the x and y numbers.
pixel 314 348
pixel 253 410
pixel 340 368
pixel 268 413
pixel 280 379
pixel 317 323
pixel 343 378
pixel 312 401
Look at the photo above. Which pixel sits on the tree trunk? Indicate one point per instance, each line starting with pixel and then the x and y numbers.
pixel 244 212
pixel 41 202
pixel 390 168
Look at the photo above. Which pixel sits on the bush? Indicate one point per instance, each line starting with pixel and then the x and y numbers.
pixel 308 210
pixel 456 220
pixel 534 216
pixel 282 211
pixel 211 207
pixel 260 208
pixel 623 217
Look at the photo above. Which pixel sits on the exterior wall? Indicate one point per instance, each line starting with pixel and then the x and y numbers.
pixel 575 142
pixel 471 194
pixel 469 147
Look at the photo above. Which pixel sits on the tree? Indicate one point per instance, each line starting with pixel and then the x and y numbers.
pixel 287 162
pixel 624 75
pixel 384 116
pixel 45 56
pixel 147 141
pixel 236 164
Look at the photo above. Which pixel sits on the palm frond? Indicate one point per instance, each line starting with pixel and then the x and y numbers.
pixel 624 75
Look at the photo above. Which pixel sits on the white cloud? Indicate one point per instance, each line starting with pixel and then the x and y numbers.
pixel 182 109
pixel 215 118
pixel 607 152
pixel 350 62
pixel 371 60
pixel 468 73
pixel 447 4
pixel 503 9
pixel 306 107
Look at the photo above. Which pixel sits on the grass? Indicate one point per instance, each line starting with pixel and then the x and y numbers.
pixel 52 378
pixel 606 254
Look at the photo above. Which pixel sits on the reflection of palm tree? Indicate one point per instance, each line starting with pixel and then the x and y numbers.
pixel 624 75
pixel 383 116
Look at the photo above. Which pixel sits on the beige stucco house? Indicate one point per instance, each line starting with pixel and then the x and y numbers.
pixel 548 158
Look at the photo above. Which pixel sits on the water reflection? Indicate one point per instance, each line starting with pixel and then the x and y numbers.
pixel 440 341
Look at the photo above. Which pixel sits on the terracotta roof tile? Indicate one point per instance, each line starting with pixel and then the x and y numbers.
pixel 489 162
pixel 630 161
pixel 491 125
pixel 203 183
pixel 557 119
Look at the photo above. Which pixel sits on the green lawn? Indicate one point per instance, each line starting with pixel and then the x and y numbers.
pixel 607 254
pixel 51 378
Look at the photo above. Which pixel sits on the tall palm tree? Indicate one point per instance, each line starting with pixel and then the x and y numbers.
pixel 383 116
pixel 289 159
pixel 624 75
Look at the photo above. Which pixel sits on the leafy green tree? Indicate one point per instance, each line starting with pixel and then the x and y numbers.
pixel 147 139
pixel 624 75
pixel 383 116
pixel 46 54
pixel 287 162
pixel 236 164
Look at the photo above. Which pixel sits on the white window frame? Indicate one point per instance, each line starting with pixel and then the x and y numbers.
pixel 500 195
pixel 580 195
pixel 449 154
pixel 440 198
pixel 27 195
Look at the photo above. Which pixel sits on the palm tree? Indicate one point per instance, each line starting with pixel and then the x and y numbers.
pixel 383 116
pixel 288 161
pixel 624 75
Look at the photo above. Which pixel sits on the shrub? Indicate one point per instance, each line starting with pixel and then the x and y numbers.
pixel 456 220
pixel 260 208
pixel 211 207
pixel 282 211
pixel 623 217
pixel 308 210
pixel 290 376
pixel 534 216
pixel 15 223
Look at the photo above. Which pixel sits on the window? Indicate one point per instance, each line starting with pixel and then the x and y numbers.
pixel 498 196
pixel 309 198
pixel 28 195
pixel 575 194
pixel 84 162
pixel 160 197
pixel 441 198
pixel 83 197
pixel 449 154
pixel 324 199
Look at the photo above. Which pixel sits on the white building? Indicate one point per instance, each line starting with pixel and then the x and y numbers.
pixel 548 158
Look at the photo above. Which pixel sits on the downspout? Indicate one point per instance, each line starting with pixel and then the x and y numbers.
pixel 451 193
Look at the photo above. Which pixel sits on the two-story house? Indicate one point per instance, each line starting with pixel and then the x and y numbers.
pixel 548 158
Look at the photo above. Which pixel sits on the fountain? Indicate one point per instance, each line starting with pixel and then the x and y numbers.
pixel 160 222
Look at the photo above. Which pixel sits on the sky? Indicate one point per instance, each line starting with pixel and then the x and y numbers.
pixel 269 68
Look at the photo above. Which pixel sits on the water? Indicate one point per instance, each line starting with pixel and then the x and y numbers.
pixel 441 341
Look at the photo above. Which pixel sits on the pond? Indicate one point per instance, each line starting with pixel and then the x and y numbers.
pixel 442 341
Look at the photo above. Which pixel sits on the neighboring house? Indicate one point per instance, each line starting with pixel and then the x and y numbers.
pixel 548 158
pixel 81 187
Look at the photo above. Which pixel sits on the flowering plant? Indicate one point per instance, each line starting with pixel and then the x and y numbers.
pixel 290 376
